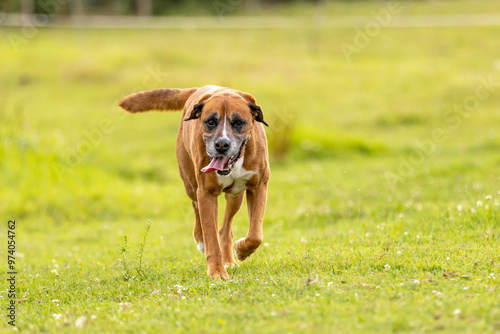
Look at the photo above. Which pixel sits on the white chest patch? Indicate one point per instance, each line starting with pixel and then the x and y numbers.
pixel 237 179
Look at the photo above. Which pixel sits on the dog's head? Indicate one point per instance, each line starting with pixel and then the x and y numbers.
pixel 227 119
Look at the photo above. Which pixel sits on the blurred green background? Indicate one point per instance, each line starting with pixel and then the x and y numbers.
pixel 402 132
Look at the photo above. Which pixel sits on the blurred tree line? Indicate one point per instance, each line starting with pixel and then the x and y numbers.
pixel 131 7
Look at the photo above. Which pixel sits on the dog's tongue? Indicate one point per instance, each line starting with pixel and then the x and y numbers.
pixel 217 163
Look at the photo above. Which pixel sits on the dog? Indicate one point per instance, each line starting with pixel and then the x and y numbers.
pixel 221 147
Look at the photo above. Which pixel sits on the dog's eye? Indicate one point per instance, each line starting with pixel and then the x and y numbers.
pixel 211 123
pixel 238 123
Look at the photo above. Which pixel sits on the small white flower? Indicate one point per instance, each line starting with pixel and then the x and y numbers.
pixel 457 311
pixel 479 204
pixel 124 305
pixel 447 258
pixel 416 281
pixel 80 322
pixel 399 252
pixel 55 300
pixel 488 197
pixel 472 210
pixel 93 317
pixel 57 316
pixel 466 288
pixel 459 208
pixel 54 271
pixel 303 240
pixel 406 233
pixel 437 293
pixel 387 267
pixel 401 215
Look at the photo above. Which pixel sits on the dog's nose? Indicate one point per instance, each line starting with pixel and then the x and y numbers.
pixel 222 145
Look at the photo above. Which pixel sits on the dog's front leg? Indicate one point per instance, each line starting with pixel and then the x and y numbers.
pixel 207 204
pixel 256 200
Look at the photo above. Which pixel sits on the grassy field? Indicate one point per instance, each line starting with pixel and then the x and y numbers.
pixel 382 214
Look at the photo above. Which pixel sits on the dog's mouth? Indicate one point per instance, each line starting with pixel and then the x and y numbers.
pixel 223 165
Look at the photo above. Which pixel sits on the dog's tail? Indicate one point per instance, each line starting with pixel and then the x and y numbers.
pixel 156 99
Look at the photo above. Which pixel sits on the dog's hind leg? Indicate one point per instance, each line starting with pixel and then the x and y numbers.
pixel 197 231
pixel 233 204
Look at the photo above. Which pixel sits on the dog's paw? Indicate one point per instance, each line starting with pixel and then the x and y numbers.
pixel 218 273
pixel 230 265
pixel 201 247
pixel 237 252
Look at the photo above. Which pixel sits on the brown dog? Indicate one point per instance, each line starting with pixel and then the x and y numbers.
pixel 221 147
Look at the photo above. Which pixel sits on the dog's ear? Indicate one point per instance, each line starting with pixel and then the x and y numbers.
pixel 254 107
pixel 198 108
pixel 196 111
pixel 257 113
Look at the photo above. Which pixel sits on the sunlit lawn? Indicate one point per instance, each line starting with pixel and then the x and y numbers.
pixel 372 223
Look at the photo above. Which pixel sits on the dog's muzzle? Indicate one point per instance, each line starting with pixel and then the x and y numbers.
pixel 223 165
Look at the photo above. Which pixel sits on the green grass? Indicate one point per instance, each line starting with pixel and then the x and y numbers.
pixel 345 251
